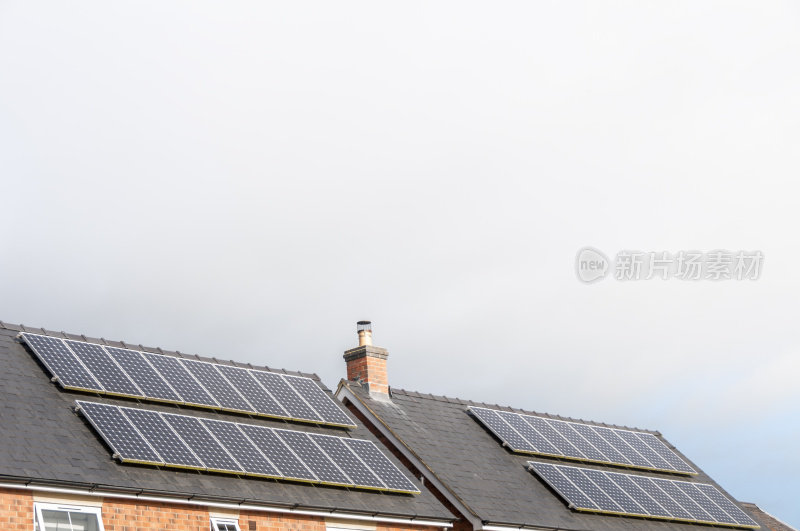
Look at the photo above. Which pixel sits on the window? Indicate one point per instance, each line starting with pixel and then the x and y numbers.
pixel 55 517
pixel 220 524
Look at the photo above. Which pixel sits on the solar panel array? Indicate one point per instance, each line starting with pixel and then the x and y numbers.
pixel 601 491
pixel 180 441
pixel 109 370
pixel 536 435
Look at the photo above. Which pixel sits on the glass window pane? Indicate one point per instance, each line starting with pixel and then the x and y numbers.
pixel 83 521
pixel 55 520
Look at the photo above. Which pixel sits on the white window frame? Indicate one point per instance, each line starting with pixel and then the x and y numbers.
pixel 226 521
pixel 38 522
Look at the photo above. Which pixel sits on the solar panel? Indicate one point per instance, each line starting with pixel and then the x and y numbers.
pixel 84 366
pixel 345 459
pixel 119 433
pixel 319 463
pixel 61 362
pixel 316 398
pixel 217 386
pixel 533 434
pixel 602 491
pixel 286 461
pixel 286 396
pixel 151 437
pixel 180 379
pixel 246 384
pixel 380 464
pixel 241 448
pixel 202 443
pixel 162 438
pixel 103 368
pixel 144 375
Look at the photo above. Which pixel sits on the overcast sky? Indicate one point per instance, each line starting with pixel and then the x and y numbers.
pixel 247 180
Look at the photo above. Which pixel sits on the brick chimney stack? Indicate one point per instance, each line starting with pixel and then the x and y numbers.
pixel 368 363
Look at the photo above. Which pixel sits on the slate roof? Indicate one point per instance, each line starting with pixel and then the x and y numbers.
pixel 771 523
pixel 42 441
pixel 489 480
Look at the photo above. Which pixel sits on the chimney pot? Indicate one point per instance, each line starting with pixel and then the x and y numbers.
pixel 364 333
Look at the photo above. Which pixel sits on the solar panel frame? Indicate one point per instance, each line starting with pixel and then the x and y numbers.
pixel 326 470
pixel 61 362
pixel 319 401
pixel 243 449
pixel 217 386
pixel 286 396
pixel 163 439
pixel 100 416
pixel 153 386
pixel 104 369
pixel 651 497
pixel 85 366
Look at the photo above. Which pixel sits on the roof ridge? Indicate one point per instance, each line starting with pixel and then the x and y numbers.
pixel 443 398
pixel 152 350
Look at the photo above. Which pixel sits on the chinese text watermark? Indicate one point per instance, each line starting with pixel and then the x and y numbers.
pixel 592 265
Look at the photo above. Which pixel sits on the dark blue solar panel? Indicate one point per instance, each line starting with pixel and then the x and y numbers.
pixel 104 369
pixel 240 447
pixel 143 375
pixel 277 452
pixel 648 453
pixel 575 438
pixel 502 429
pixel 555 438
pixel 668 455
pixel 674 508
pixel 562 485
pixel 739 516
pixel 314 458
pixel 286 396
pixel 641 497
pixel 162 438
pixel 61 362
pixel 677 494
pixel 703 501
pixel 612 456
pixel 200 440
pixel 180 379
pixel 611 489
pixel 319 400
pixel 537 441
pixel 391 476
pixel 255 393
pixel 346 460
pixel 622 447
pixel 119 433
pixel 582 481
pixel 215 384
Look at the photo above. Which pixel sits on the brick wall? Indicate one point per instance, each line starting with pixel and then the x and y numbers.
pixel 128 515
pixel 16 510
pixel 16 514
pixel 371 370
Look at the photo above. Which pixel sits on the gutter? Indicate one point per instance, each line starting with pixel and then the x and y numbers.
pixel 333 513
pixel 344 391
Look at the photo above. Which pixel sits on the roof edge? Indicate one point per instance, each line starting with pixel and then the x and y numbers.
pixel 343 391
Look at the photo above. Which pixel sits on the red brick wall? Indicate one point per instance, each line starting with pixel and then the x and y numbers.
pixel 16 510
pixel 16 514
pixel 371 370
pixel 279 522
pixel 129 515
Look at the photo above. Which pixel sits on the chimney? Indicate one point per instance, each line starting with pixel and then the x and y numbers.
pixel 368 363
